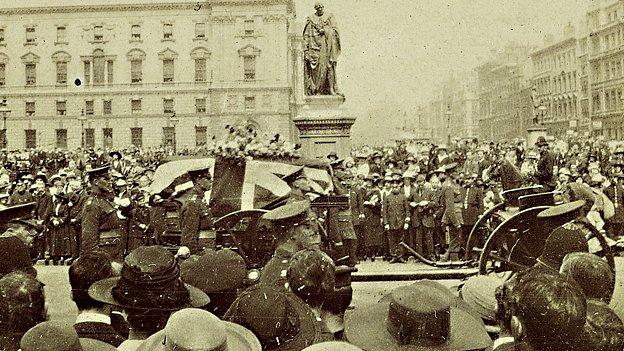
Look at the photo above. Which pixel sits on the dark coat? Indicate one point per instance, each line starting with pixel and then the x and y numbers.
pixel 450 195
pixel 99 331
pixel 371 224
pixel 395 210
pixel 195 216
pixel 472 204
pixel 102 228
pixel 545 166
pixel 356 199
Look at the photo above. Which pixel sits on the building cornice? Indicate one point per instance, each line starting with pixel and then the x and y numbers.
pixel 196 6
pixel 554 46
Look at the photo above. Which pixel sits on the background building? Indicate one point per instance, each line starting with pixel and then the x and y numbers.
pixel 556 83
pixel 605 23
pixel 173 73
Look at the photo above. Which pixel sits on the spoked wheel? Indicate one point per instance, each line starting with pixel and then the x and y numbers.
pixel 482 230
pixel 518 242
pixel 243 232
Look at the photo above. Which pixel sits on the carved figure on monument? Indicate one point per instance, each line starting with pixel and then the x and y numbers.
pixel 321 48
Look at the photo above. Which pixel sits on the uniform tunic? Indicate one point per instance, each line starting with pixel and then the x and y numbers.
pixel 102 228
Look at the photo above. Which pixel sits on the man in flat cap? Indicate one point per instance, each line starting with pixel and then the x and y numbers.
pixel 102 227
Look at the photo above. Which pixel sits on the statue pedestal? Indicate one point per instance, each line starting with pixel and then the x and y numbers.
pixel 533 133
pixel 324 126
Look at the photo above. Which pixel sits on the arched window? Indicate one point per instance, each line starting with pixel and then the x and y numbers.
pixel 136 58
pixel 61 58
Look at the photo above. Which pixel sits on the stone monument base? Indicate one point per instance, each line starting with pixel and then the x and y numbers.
pixel 324 127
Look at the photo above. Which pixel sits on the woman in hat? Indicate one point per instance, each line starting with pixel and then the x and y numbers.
pixel 371 220
pixel 148 290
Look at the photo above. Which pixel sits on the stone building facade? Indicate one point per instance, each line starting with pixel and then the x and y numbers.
pixel 175 73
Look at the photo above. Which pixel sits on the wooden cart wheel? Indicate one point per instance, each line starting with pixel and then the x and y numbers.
pixel 488 222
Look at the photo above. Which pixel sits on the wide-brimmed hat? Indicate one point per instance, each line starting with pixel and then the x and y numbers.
pixel 113 153
pixel 416 317
pixel 55 336
pixel 150 280
pixel 332 346
pixel 541 141
pixel 193 329
pixel 479 292
pixel 279 319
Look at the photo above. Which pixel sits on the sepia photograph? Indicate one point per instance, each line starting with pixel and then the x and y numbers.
pixel 303 175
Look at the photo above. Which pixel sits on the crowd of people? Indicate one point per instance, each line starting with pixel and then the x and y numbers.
pixel 431 196
pixel 94 212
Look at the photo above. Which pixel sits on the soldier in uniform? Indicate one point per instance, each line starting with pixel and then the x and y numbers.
pixel 295 229
pixel 396 218
pixel 102 226
pixel 340 225
pixel 472 208
pixel 451 216
pixel 195 216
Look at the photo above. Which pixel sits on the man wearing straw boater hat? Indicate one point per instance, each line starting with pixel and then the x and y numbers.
pixel 149 290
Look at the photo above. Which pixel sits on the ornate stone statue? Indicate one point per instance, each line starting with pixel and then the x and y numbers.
pixel 321 49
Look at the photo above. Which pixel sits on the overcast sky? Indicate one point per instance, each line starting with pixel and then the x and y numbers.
pixel 395 51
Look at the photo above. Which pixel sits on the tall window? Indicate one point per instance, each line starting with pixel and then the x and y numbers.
pixel 168 106
pixel 61 73
pixel 31 74
pixel 107 135
pixel 200 70
pixel 249 27
pixel 201 135
pixel 30 108
pixel 250 67
pixel 250 102
pixel 200 105
pixel 135 32
pixel 1 35
pixel 136 106
pixel 89 138
pixel 2 74
pixel 30 35
pixel 99 63
pixel 110 71
pixel 167 31
pixel 61 138
pixel 61 34
pixel 31 138
pixel 61 108
pixel 98 33
pixel 107 107
pixel 136 135
pixel 200 30
pixel 89 107
pixel 136 71
pixel 168 70
pixel 87 72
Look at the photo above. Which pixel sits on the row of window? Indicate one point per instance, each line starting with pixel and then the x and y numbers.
pixel 136 137
pixel 611 100
pixel 135 106
pixel 608 69
pixel 557 61
pixel 98 32
pixel 100 71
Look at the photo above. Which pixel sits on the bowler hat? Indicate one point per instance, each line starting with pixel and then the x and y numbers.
pixel 541 141
pixel 416 317
pixel 150 280
pixel 55 336
pixel 279 319
pixel 193 329
pixel 562 241
pixel 42 176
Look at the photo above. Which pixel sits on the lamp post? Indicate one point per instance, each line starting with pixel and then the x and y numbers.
pixel 5 112
pixel 448 125
pixel 82 120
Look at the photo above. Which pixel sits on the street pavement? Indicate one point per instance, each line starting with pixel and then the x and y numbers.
pixel 61 308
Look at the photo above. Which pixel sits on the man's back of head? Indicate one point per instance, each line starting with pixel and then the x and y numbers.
pixel 89 268
pixel 592 273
